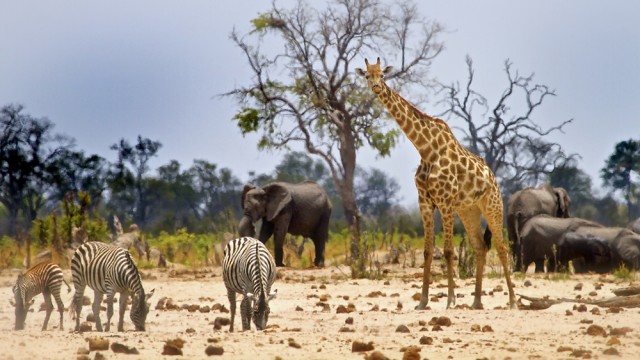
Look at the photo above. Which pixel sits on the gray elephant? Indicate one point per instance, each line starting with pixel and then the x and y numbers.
pixel 588 252
pixel 298 209
pixel 530 202
pixel 625 250
pixel 540 236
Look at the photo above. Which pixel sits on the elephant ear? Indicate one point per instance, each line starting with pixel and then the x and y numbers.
pixel 563 201
pixel 245 190
pixel 278 197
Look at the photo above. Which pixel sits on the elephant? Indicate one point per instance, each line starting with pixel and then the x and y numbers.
pixel 634 226
pixel 625 250
pixel 530 202
pixel 298 209
pixel 541 234
pixel 587 252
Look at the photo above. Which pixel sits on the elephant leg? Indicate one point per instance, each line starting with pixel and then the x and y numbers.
pixel 319 244
pixel 539 265
pixel 278 237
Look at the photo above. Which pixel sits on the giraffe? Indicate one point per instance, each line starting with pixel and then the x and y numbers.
pixel 450 178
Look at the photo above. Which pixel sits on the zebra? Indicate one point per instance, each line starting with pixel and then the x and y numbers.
pixel 249 269
pixel 45 278
pixel 108 269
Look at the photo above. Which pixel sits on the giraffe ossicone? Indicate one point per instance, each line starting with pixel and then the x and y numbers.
pixel 450 178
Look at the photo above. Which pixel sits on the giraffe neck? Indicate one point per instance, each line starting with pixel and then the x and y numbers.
pixel 427 134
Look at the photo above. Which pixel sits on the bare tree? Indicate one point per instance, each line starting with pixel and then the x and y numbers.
pixel 302 90
pixel 512 143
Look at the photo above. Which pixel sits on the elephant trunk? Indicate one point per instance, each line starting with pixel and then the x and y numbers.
pixel 245 227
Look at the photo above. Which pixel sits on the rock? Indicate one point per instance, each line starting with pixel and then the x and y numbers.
pixel 487 328
pixel 411 353
pixel 99 356
pixel 86 326
pixel 349 321
pixel 596 330
pixel 613 341
pixel 98 344
pixel 82 351
pixel 595 311
pixel 214 350
pixel 91 318
pixel 426 340
pixel 611 351
pixel 219 322
pixel 123 349
pixel 476 328
pixel 81 357
pixel 620 331
pixel 342 310
pixel 205 309
pixel 346 329
pixel 442 321
pixel 578 287
pixel 564 348
pixel 359 346
pixel 173 347
pixel 193 307
pixel 160 305
pixel 376 355
pixel 190 331
pixel 403 329
pixel 298 308
pixel 294 344
pixel 527 283
pixel 580 308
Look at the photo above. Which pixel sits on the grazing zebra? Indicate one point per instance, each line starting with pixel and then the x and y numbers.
pixel 108 269
pixel 249 269
pixel 45 278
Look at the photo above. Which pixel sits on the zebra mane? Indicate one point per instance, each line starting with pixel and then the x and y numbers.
pixel 134 268
pixel 261 298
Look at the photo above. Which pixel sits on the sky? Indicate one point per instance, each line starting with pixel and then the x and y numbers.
pixel 102 71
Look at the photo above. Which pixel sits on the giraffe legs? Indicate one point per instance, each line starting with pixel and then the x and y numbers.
pixel 495 225
pixel 426 210
pixel 471 220
pixel 447 228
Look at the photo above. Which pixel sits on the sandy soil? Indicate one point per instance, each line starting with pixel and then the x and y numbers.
pixel 307 322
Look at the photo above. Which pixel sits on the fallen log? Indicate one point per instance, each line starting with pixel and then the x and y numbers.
pixel 631 290
pixel 631 301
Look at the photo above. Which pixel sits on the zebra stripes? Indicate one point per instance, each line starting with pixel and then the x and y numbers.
pixel 45 278
pixel 108 269
pixel 249 269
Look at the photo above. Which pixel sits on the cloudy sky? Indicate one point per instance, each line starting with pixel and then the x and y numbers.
pixel 102 71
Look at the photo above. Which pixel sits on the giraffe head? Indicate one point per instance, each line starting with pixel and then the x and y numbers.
pixel 374 74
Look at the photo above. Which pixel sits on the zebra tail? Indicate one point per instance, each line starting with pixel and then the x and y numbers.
pixel 72 310
pixel 68 287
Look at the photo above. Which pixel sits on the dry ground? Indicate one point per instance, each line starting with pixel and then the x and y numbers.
pixel 307 322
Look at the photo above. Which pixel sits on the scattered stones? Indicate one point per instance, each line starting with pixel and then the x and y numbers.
pixel 349 320
pixel 298 308
pixel 611 351
pixel 190 331
pixel 99 356
pixel 91 318
pixel 613 341
pixel 82 351
pixel 86 326
pixel 442 321
pixel 205 309
pixel 580 308
pixel 596 330
pixel 219 322
pixel 614 310
pixel 294 344
pixel 411 353
pixel 160 305
pixel 593 294
pixel 527 283
pixel 98 344
pixel 581 353
pixel 436 328
pixel 173 347
pixel 620 331
pixel 416 296
pixel 345 309
pixel 219 307
pixel 359 346
pixel 487 328
pixel 476 328
pixel 568 313
pixel 403 329
pixel 376 355
pixel 123 349
pixel 214 350
pixel 578 287
pixel 346 329
pixel 595 311
pixel 426 340
pixel 564 348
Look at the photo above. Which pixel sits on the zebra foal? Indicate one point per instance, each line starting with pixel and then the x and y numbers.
pixel 45 278
pixel 249 269
pixel 108 269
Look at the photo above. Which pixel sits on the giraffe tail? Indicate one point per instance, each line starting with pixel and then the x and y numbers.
pixel 487 238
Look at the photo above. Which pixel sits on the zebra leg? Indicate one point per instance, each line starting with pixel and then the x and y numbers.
pixel 60 309
pixel 48 306
pixel 110 296
pixel 232 306
pixel 97 301
pixel 122 307
pixel 245 313
pixel 77 302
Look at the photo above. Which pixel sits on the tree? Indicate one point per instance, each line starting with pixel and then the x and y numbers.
pixel 619 169
pixel 376 192
pixel 512 143
pixel 29 151
pixel 128 190
pixel 297 166
pixel 317 104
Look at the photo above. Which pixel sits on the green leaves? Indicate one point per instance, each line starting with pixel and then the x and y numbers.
pixel 248 120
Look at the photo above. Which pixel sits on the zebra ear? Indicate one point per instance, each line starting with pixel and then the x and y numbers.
pixel 273 294
pixel 250 296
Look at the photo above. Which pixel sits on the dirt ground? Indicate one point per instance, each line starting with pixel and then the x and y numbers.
pixel 322 313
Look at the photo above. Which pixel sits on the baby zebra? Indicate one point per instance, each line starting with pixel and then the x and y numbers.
pixel 45 278
pixel 249 269
pixel 108 269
